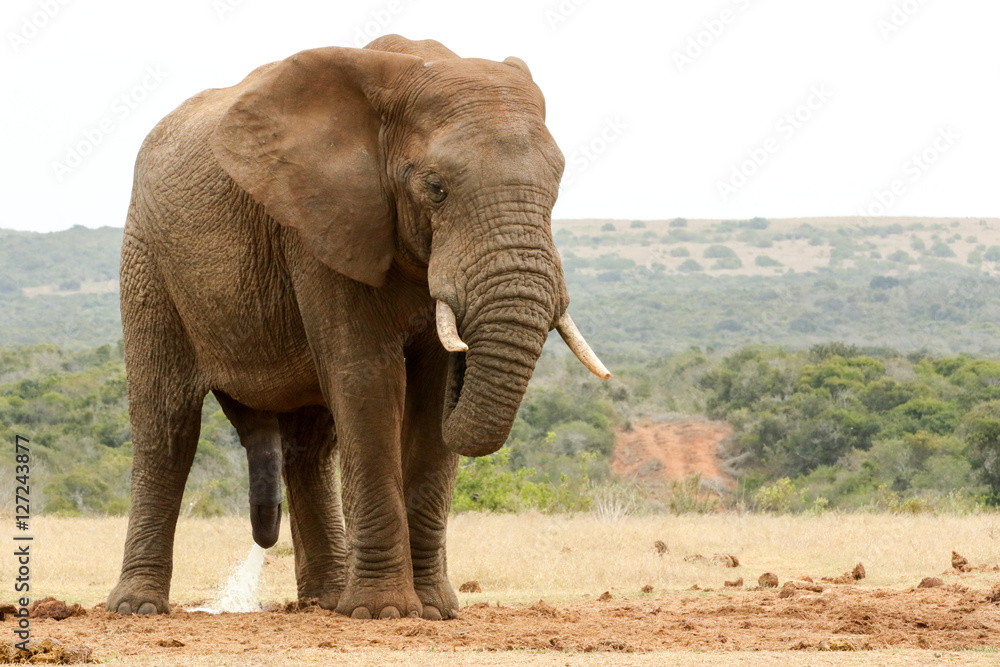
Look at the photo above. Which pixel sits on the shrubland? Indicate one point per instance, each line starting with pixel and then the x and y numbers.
pixel 869 381
pixel 835 426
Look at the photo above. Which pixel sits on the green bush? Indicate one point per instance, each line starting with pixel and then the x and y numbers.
pixel 719 252
pixel 764 260
pixel 728 263
pixel 780 497
pixel 901 257
pixel 941 249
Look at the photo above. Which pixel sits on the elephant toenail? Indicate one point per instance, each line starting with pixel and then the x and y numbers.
pixel 431 613
pixel 125 609
pixel 389 612
pixel 147 608
pixel 361 612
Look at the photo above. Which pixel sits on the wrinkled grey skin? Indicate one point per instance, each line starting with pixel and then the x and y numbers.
pixel 285 244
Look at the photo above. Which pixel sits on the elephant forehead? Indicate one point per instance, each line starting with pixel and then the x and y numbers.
pixel 452 86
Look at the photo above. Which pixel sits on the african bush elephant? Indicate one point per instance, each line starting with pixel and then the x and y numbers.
pixel 352 249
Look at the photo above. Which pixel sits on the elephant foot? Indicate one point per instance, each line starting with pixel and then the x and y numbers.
pixel 328 600
pixel 365 603
pixel 129 598
pixel 439 601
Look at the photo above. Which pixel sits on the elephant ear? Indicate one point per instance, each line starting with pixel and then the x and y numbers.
pixel 302 138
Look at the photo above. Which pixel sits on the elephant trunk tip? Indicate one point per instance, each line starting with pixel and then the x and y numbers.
pixel 265 522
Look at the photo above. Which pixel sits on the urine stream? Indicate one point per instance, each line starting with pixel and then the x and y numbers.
pixel 241 592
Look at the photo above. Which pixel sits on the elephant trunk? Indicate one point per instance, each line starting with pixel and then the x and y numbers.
pixel 487 383
pixel 264 461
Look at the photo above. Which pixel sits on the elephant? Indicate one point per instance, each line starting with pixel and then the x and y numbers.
pixel 352 249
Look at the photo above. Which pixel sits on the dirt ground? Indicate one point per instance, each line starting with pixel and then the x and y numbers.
pixel 840 618
pixel 660 452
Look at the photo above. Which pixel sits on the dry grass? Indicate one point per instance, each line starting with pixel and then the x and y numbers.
pixel 523 558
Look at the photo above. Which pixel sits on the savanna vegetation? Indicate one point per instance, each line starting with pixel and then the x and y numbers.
pixel 834 426
pixel 869 382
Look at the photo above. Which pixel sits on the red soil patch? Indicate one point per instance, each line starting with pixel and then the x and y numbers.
pixel 654 454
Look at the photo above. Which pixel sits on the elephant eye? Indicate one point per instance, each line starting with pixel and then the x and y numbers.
pixel 435 189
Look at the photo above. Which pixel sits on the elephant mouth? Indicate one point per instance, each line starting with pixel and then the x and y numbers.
pixel 455 382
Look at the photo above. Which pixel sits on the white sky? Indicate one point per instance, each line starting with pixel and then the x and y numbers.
pixel 673 132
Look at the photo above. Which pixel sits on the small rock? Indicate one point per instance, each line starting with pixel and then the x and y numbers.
pixel 858 572
pixel 736 583
pixel 696 587
pixel 725 560
pixel 768 580
pixel 647 588
pixel 809 586
pixel 788 590
pixel 544 609
pixel 959 562
pixel 660 546
pixel 930 582
pixel 50 607
pixel 604 597
pixel 470 587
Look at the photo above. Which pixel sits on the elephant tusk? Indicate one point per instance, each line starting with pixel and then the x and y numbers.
pixel 574 339
pixel 447 329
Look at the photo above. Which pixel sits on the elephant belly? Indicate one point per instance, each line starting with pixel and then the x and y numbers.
pixel 264 376
pixel 248 338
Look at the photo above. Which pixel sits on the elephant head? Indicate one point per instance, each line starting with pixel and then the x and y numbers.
pixel 403 152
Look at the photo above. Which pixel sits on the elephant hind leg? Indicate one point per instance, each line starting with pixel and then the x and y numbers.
pixel 317 520
pixel 165 400
pixel 259 435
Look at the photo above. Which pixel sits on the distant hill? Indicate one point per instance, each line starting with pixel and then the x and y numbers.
pixel 60 287
pixel 642 288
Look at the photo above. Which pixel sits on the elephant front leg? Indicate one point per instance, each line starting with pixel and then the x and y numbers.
pixel 428 479
pixel 368 414
pixel 165 436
